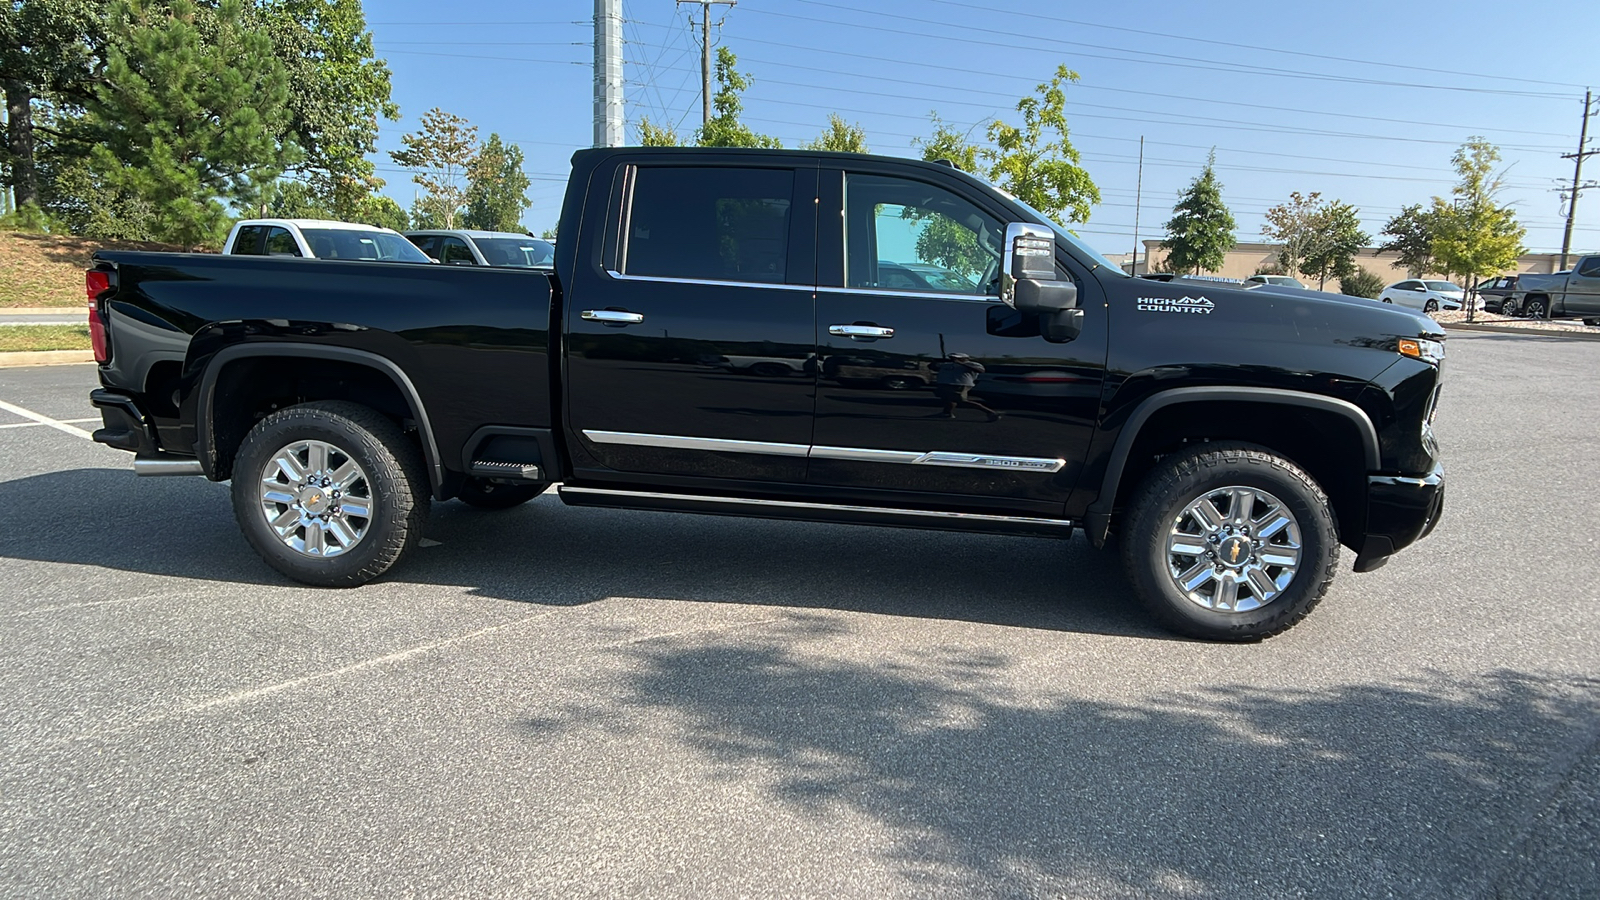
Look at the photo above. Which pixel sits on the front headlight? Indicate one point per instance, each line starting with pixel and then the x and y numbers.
pixel 1423 349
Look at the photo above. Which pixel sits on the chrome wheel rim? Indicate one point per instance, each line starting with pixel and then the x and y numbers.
pixel 316 499
pixel 1233 549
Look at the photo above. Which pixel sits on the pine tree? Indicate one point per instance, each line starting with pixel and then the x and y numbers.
pixel 498 191
pixel 1201 230
pixel 189 115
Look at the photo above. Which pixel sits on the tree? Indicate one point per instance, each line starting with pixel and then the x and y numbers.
pixel 1201 230
pixel 47 48
pixel 1474 237
pixel 1293 224
pixel 725 129
pixel 653 135
pixel 338 91
pixel 840 137
pixel 1042 171
pixel 1337 238
pixel 441 154
pixel 948 145
pixel 188 115
pixel 1361 283
pixel 498 190
pixel 550 233
pixel 1411 234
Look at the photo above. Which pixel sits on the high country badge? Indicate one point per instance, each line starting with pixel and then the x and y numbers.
pixel 1198 305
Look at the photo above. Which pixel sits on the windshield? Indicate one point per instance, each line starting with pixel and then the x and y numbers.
pixel 1077 242
pixel 522 253
pixel 1443 287
pixel 350 243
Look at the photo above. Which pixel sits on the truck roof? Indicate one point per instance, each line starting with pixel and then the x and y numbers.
pixel 314 223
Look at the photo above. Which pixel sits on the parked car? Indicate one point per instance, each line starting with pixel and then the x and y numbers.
pixel 504 249
pixel 341 399
pixel 1275 280
pixel 1500 295
pixel 1428 296
pixel 319 239
pixel 1564 294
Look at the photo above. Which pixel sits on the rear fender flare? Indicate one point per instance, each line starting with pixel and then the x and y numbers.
pixel 204 450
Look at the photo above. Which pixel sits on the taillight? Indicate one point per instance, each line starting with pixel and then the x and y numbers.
pixel 95 283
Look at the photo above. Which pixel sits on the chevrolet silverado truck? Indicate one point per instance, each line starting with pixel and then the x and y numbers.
pixel 1574 294
pixel 1227 441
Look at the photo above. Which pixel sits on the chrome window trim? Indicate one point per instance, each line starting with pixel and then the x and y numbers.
pixel 664 279
pixel 919 295
pixel 839 507
pixel 946 458
pixel 678 442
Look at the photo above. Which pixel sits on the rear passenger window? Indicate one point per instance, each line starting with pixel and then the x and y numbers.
pixel 281 243
pixel 248 241
pixel 711 224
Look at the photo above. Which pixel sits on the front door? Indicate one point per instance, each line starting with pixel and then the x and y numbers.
pixel 1583 288
pixel 930 386
pixel 691 343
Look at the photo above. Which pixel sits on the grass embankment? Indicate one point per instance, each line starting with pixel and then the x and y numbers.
pixel 14 338
pixel 47 269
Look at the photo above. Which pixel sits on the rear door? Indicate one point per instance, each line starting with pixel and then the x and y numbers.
pixel 691 342
pixel 930 386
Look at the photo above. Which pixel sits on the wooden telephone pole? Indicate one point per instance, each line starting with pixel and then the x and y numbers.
pixel 705 53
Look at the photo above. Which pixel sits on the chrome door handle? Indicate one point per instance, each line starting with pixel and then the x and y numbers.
pixel 861 331
pixel 613 316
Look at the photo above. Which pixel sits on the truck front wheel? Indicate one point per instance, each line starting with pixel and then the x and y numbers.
pixel 1230 542
pixel 330 493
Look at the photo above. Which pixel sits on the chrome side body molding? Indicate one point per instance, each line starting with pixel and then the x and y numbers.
pixel 858 454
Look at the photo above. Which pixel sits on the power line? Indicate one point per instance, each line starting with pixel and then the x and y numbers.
pixel 1162 59
pixel 1258 48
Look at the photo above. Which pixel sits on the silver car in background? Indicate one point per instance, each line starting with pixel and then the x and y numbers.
pixel 501 249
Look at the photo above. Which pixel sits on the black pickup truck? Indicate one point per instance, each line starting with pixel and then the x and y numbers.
pixel 795 335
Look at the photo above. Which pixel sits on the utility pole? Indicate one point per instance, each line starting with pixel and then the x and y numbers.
pixel 1577 175
pixel 705 53
pixel 608 111
pixel 1138 197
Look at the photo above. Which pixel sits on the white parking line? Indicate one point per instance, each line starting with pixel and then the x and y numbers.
pixel 57 424
pixel 37 424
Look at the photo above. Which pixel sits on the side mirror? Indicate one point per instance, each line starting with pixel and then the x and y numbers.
pixel 1029 283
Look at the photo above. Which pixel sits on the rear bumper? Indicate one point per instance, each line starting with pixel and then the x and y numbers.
pixel 1401 510
pixel 126 425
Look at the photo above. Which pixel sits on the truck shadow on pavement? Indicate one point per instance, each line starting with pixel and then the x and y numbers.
pixel 546 553
pixel 977 781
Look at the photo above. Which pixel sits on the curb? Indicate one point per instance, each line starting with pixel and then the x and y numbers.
pixel 1538 332
pixel 42 311
pixel 18 358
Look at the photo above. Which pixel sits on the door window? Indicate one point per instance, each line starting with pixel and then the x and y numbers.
pixel 281 243
pixel 455 250
pixel 248 241
pixel 1590 267
pixel 906 235
pixel 709 224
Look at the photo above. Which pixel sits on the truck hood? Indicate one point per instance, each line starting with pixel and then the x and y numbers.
pixel 1385 318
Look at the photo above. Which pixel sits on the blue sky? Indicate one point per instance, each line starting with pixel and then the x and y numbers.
pixel 1364 102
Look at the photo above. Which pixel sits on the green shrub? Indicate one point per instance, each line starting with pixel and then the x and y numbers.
pixel 1361 284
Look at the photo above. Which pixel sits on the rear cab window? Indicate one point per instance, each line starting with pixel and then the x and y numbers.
pixel 247 241
pixel 281 243
pixel 707 223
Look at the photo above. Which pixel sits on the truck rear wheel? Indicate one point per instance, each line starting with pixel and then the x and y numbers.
pixel 330 493
pixel 1230 542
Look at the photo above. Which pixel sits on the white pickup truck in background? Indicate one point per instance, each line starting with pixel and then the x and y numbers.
pixel 320 239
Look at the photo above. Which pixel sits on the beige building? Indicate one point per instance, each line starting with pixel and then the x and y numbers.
pixel 1246 259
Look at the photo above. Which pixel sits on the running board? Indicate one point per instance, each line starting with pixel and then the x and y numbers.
pixel 816 512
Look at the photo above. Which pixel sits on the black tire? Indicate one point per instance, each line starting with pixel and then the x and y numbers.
pixel 1535 308
pixel 1431 306
pixel 1190 475
pixel 395 480
pixel 481 493
pixel 1509 309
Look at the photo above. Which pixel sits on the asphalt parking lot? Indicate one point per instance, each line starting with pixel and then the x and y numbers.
pixel 565 703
